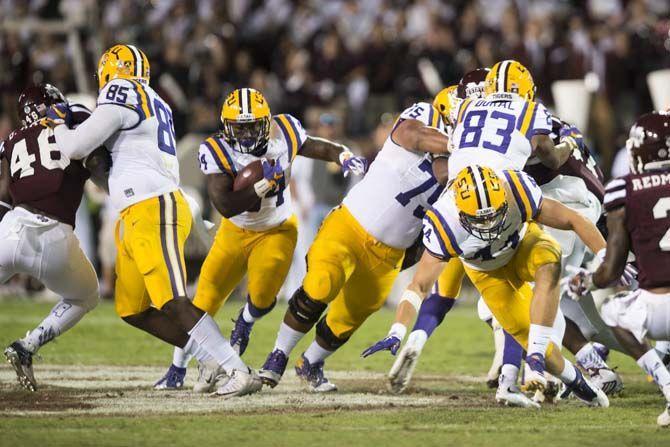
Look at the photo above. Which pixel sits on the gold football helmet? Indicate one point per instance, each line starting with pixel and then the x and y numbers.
pixel 245 116
pixel 446 102
pixel 122 62
pixel 510 76
pixel 481 202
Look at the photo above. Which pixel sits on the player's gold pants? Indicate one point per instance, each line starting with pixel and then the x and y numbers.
pixel 350 270
pixel 507 292
pixel 449 282
pixel 150 237
pixel 265 255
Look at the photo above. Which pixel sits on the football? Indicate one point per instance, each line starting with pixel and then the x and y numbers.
pixel 249 175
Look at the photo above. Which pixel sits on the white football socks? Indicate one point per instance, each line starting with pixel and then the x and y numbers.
pixel 588 357
pixel 246 314
pixel 287 338
pixel 61 318
pixel 315 353
pixel 180 358
pixel 508 376
pixel 653 366
pixel 539 338
pixel 206 335
pixel 569 373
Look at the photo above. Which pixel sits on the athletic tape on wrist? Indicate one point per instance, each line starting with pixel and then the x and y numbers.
pixel 262 188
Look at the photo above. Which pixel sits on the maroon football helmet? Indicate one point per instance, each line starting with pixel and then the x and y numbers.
pixel 35 100
pixel 472 84
pixel 648 143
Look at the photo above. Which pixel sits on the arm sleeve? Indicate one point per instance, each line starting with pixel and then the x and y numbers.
pixel 542 123
pixel 615 194
pixel 527 195
pixel 78 143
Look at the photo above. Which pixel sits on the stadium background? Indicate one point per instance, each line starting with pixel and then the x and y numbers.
pixel 344 68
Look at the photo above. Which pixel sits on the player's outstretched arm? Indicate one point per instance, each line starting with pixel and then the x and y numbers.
pixel 427 272
pixel 416 136
pixel 326 150
pixel 105 120
pixel 322 149
pixel 618 245
pixel 556 215
pixel 228 202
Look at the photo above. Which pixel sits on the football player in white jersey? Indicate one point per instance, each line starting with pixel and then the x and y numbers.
pixel 135 124
pixel 258 233
pixel 488 220
pixel 505 127
pixel 487 103
pixel 359 248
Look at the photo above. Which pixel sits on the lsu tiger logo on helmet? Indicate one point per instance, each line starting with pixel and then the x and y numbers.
pixel 510 77
pixel 481 202
pixel 122 62
pixel 245 116
pixel 446 102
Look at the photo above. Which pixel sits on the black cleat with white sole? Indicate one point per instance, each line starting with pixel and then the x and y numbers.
pixel 22 361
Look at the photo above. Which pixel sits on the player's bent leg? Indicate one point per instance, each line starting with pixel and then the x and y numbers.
pixel 269 263
pixel 303 312
pixel 633 316
pixel 66 271
pixel 310 365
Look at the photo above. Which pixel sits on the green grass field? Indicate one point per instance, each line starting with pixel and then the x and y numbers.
pixel 96 390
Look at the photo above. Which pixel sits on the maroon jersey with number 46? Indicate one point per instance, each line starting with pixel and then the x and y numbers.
pixel 646 198
pixel 41 177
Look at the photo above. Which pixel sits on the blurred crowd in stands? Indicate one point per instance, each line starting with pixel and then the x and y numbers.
pixel 345 67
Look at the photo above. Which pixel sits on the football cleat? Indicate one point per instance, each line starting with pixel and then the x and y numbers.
pixel 535 379
pixel 210 376
pixel 239 337
pixel 312 376
pixel 403 368
pixel 551 392
pixel 172 380
pixel 587 392
pixel 664 418
pixel 512 396
pixel 606 379
pixel 273 368
pixel 240 383
pixel 22 361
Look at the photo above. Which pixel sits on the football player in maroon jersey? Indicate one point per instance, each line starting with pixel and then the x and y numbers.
pixel 40 191
pixel 638 219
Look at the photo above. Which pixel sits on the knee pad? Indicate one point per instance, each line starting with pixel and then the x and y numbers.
pixel 333 342
pixel 258 312
pixel 304 309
